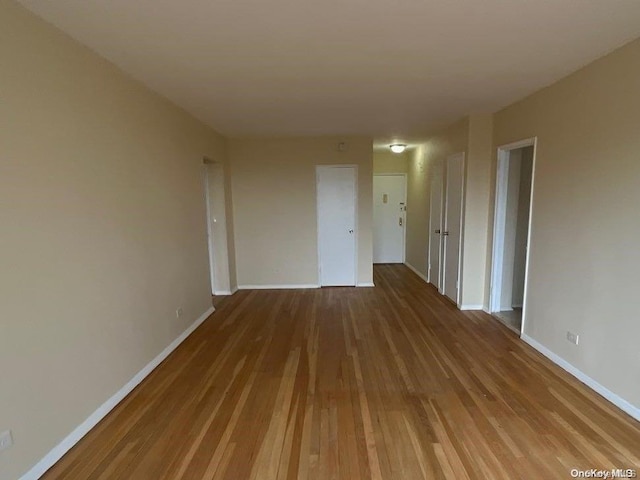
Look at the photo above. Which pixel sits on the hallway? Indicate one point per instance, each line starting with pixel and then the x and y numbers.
pixel 390 382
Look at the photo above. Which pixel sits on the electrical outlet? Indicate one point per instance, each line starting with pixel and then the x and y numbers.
pixel 573 338
pixel 6 440
pixel 179 312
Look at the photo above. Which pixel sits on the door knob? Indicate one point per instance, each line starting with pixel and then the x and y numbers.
pixel 445 233
pixel 436 231
pixel 400 221
pixel 350 231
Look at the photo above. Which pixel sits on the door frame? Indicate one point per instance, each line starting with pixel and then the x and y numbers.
pixel 499 225
pixel 207 200
pixel 319 168
pixel 461 242
pixel 404 212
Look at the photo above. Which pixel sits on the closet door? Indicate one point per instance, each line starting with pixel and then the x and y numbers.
pixel 336 200
pixel 452 233
pixel 435 232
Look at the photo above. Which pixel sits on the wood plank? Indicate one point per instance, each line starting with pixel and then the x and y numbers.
pixel 347 383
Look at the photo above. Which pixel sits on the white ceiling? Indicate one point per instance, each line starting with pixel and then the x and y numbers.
pixel 390 69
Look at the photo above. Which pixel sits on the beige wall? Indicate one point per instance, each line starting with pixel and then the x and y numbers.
pixel 417 234
pixel 428 158
pixel 584 256
pixel 389 162
pixel 103 231
pixel 476 210
pixel 274 199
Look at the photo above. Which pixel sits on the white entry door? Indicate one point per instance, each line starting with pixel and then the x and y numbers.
pixel 435 231
pixel 389 199
pixel 452 225
pixel 336 197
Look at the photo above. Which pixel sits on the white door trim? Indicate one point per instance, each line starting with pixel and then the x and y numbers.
pixel 499 220
pixel 404 213
pixel 356 217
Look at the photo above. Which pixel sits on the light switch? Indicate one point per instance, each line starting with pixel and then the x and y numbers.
pixel 385 198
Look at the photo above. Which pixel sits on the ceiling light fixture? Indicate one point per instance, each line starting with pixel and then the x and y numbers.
pixel 397 147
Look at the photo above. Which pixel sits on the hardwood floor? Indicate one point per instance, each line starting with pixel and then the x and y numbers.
pixel 389 382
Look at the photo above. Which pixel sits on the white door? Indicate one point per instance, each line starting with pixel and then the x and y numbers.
pixel 452 225
pixel 217 228
pixel 435 230
pixel 389 199
pixel 336 197
pixel 209 208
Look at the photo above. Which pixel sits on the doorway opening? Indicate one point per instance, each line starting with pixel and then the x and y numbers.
pixel 389 217
pixel 511 233
pixel 214 192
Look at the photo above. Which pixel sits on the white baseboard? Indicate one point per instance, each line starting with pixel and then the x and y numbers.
pixel 417 272
pixel 234 290
pixel 518 305
pixel 471 307
pixel 278 287
pixel 81 430
pixel 223 292
pixel 618 401
pixel 293 286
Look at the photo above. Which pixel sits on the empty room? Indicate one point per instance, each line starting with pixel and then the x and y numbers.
pixel 319 240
